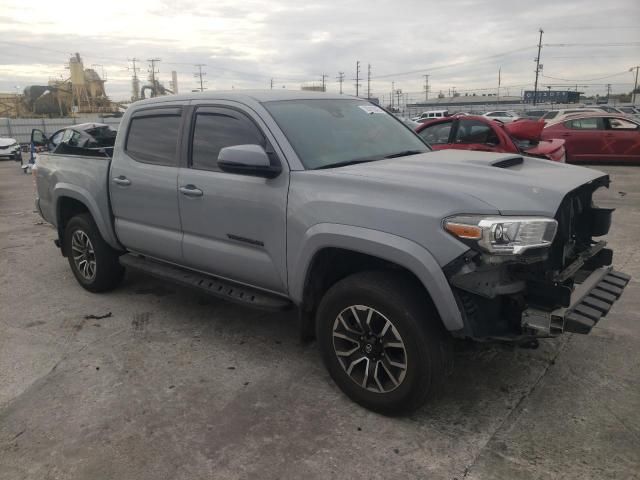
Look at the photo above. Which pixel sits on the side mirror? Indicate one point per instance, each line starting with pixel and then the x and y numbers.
pixel 38 138
pixel 247 160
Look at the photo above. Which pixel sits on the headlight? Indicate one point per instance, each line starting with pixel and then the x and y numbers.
pixel 503 235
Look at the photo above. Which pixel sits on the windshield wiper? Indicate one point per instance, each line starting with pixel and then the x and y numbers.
pixel 346 163
pixel 404 153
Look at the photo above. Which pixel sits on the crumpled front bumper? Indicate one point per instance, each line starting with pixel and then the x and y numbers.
pixel 590 302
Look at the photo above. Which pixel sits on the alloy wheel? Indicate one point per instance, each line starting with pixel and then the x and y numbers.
pixel 369 348
pixel 84 256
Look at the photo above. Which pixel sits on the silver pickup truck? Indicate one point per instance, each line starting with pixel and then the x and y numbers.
pixel 330 205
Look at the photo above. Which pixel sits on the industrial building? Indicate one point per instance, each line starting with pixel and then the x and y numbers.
pixel 81 93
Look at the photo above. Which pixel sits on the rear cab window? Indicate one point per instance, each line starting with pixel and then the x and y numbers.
pixel 153 136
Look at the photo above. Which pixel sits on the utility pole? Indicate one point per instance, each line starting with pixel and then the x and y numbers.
pixel 393 89
pixel 399 94
pixel 199 74
pixel 358 78
pixel 368 80
pixel 535 87
pixel 153 71
pixel 608 91
pixel 324 77
pixel 340 79
pixel 635 85
pixel 272 84
pixel 426 87
pixel 135 82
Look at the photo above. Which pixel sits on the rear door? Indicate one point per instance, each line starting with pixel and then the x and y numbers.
pixel 234 225
pixel 622 139
pixel 143 184
pixel 584 139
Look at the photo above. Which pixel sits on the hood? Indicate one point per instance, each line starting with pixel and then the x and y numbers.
pixel 510 183
pixel 5 142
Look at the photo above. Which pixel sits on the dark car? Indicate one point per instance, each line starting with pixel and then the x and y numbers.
pixel 92 139
pixel 595 138
pixel 480 133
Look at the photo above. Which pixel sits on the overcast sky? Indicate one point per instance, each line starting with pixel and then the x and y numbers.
pixel 459 43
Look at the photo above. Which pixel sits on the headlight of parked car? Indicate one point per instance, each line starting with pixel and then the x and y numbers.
pixel 503 235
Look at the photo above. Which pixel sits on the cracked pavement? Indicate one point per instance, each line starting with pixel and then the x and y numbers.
pixel 175 385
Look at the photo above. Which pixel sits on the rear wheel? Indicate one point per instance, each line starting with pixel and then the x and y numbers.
pixel 382 341
pixel 93 262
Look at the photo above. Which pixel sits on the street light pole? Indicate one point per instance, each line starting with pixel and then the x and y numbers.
pixel 635 85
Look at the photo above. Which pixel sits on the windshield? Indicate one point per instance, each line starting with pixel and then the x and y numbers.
pixel 327 132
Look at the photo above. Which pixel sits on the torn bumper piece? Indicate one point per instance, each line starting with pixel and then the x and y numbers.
pixel 591 300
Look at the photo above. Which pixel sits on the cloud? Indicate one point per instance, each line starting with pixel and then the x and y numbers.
pixel 244 45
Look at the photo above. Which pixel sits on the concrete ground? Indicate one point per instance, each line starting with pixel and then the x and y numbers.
pixel 174 385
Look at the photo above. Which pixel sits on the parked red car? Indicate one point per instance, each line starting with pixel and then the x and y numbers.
pixel 598 137
pixel 480 133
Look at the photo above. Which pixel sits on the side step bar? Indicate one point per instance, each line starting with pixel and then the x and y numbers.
pixel 205 283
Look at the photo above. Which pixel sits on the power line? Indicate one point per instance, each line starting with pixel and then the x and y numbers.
pixel 618 44
pixel 587 79
pixel 456 64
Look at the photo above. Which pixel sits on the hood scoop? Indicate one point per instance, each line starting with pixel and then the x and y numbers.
pixel 508 162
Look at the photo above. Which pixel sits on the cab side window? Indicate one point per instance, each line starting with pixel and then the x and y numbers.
pixel 153 138
pixel 217 128
pixel 591 123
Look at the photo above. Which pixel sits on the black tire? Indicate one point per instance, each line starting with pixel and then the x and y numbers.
pixel 107 272
pixel 398 299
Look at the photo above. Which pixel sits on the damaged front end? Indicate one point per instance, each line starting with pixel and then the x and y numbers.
pixel 536 277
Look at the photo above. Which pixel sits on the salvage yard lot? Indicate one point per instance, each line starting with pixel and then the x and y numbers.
pixel 174 385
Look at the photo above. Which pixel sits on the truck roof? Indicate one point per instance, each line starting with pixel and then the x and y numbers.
pixel 244 95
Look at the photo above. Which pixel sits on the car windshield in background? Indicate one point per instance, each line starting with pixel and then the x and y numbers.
pixel 327 133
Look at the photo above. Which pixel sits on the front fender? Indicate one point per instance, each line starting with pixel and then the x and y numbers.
pixel 386 246
pixel 62 190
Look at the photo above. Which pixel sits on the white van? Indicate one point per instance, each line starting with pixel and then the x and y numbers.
pixel 430 115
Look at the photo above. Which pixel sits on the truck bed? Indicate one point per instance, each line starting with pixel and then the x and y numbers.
pixel 83 178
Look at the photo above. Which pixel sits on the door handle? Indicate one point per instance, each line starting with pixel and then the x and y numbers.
pixel 122 180
pixel 191 191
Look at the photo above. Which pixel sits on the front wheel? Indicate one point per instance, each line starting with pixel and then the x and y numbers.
pixel 382 341
pixel 93 262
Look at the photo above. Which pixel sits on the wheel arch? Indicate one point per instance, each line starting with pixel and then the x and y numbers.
pixel 383 250
pixel 71 200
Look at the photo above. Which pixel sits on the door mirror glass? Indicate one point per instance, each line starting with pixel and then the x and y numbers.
pixel 247 160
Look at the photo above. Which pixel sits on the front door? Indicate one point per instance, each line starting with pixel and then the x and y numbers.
pixel 233 225
pixel 471 134
pixel 143 185
pixel 584 139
